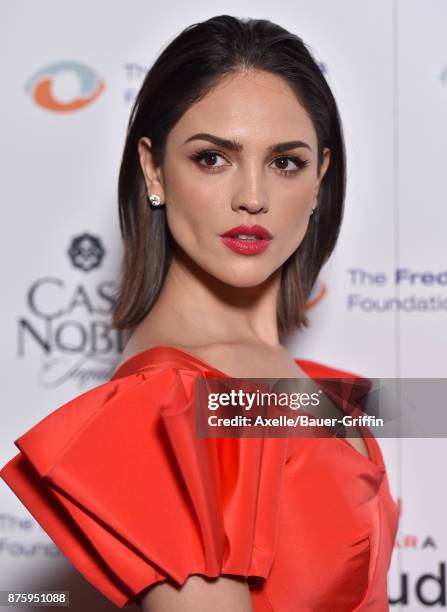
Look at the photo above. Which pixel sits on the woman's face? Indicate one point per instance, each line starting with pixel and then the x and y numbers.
pixel 210 186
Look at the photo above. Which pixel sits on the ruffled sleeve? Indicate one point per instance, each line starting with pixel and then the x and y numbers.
pixel 131 496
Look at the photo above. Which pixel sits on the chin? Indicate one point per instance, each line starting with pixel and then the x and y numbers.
pixel 244 278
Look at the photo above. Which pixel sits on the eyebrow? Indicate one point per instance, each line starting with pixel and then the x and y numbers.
pixel 233 145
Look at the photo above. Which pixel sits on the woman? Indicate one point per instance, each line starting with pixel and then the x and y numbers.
pixel 231 193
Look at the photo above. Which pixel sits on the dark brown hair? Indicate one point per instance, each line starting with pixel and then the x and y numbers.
pixel 185 71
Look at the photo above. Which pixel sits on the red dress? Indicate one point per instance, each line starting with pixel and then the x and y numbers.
pixel 121 484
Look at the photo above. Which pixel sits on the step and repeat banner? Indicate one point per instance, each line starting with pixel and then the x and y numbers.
pixel 70 74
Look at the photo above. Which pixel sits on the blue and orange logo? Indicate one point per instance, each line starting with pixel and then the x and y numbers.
pixel 40 86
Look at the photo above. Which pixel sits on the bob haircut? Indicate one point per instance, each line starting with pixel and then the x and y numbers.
pixel 186 70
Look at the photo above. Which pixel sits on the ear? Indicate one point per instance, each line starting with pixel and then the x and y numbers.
pixel 152 172
pixel 323 169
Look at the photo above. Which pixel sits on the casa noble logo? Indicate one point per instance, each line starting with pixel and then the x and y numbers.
pixel 67 324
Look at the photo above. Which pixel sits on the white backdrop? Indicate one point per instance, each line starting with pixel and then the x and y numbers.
pixel 70 72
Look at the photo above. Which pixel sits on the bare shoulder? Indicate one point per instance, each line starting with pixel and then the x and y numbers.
pixel 199 594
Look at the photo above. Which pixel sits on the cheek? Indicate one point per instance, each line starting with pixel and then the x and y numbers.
pixel 191 208
pixel 294 204
pixel 291 219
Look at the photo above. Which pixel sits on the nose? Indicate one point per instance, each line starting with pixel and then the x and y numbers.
pixel 249 191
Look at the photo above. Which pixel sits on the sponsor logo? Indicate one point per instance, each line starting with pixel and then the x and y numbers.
pixel 68 318
pixel 42 86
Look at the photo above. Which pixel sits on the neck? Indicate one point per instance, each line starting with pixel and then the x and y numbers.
pixel 201 309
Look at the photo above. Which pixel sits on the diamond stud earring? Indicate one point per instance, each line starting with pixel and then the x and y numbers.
pixel 155 200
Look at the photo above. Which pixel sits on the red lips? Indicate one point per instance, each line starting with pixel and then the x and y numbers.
pixel 261 239
pixel 249 230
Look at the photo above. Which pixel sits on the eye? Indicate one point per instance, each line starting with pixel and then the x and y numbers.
pixel 209 159
pixel 289 164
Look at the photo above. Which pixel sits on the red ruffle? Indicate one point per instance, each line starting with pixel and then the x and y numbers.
pixel 129 494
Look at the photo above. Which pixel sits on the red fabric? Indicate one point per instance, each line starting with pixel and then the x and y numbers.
pixel 121 484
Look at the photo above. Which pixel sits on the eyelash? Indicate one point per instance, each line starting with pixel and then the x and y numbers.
pixel 300 163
